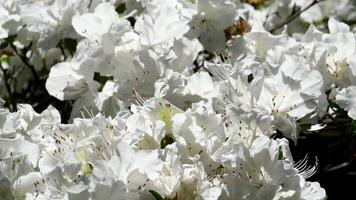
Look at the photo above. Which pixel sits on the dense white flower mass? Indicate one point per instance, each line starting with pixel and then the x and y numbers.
pixel 172 99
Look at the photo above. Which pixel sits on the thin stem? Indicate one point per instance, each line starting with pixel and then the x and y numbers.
pixel 294 16
pixel 8 88
pixel 62 49
pixel 63 52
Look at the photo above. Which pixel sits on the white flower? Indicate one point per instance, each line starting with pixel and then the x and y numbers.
pixel 35 125
pixel 323 10
pixel 103 26
pixel 200 84
pixel 25 184
pixel 210 21
pixel 239 83
pixel 19 147
pixel 107 101
pixel 200 129
pixel 168 106
pixel 169 181
pixel 284 98
pixel 248 125
pixel 260 42
pixel 262 173
pixel 18 160
pixel 195 183
pixel 152 124
pixel 168 25
pixel 131 166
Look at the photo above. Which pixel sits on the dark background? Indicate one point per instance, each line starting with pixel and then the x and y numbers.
pixel 336 152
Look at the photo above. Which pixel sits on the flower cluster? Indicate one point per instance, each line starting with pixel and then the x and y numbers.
pixel 171 99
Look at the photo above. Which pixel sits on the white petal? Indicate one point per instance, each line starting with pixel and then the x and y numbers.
pixel 65 83
pixel 25 184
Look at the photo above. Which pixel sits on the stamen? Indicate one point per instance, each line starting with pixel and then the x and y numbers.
pixel 306 170
pixel 138 99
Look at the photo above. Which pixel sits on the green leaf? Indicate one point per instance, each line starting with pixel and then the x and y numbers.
pixel 101 79
pixel 353 125
pixel 9 40
pixel 4 59
pixel 168 139
pixel 336 108
pixel 280 154
pixel 120 8
pixel 70 44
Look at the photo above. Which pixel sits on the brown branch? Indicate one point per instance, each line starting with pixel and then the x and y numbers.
pixel 26 62
pixel 293 16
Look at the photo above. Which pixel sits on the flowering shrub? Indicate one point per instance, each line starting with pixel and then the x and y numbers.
pixel 170 99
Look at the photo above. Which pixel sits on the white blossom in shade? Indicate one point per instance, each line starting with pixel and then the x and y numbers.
pixel 10 20
pixel 345 98
pixel 9 124
pixel 343 45
pixel 311 190
pixel 51 20
pixel 186 51
pixel 333 52
pixel 2 102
